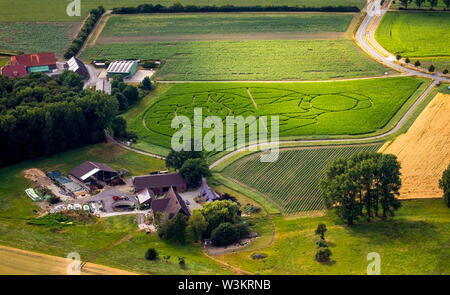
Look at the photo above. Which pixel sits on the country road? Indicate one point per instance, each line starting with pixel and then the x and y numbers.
pixel 365 38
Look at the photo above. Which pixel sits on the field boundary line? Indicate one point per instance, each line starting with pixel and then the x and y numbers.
pixel 251 97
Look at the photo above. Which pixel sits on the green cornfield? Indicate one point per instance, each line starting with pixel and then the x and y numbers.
pixel 292 182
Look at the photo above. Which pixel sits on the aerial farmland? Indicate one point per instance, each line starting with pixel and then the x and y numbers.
pixel 342 151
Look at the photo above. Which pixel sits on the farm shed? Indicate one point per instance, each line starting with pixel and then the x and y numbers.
pixel 14 71
pixel 88 169
pixel 36 62
pixel 77 66
pixel 126 68
pixel 160 183
pixel 172 204
pixel 145 196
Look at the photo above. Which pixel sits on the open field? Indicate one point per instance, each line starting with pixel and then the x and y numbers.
pixel 35 37
pixel 55 10
pixel 223 23
pixel 304 109
pixel 416 34
pixel 292 182
pixel 19 262
pixel 247 60
pixel 427 140
pixel 415 242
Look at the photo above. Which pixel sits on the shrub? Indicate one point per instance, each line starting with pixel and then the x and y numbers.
pixel 407 60
pixel 445 72
pixel 431 69
pixel 181 262
pixel 320 230
pixel 259 256
pixel 242 229
pixel 224 234
pixel 417 63
pixel 323 254
pixel 398 57
pixel 321 243
pixel 151 254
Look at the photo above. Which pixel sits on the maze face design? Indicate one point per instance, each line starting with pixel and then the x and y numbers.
pixel 295 109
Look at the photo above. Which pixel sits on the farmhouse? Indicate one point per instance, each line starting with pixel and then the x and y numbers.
pixel 36 62
pixel 126 68
pixel 172 204
pixel 89 169
pixel 77 66
pixel 14 71
pixel 160 183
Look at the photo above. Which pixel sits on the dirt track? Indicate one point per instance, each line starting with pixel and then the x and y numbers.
pixel 424 151
pixel 20 262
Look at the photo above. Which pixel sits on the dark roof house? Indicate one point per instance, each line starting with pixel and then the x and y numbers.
pixel 14 71
pixel 160 183
pixel 172 204
pixel 87 169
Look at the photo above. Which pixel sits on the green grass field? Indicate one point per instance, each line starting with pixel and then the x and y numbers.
pixel 224 23
pixel 55 10
pixel 247 60
pixel 416 34
pixel 415 242
pixel 292 182
pixel 36 37
pixel 304 109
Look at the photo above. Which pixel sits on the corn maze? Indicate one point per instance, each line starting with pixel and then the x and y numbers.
pixel 292 182
pixel 354 107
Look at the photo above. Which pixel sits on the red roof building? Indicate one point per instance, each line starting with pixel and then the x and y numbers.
pixel 14 71
pixel 35 59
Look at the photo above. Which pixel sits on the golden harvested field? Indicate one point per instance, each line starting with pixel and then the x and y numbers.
pixel 424 151
pixel 20 262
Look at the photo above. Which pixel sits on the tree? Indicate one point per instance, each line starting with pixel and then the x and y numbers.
pixel 365 181
pixel 447 3
pixel 151 254
pixel 320 230
pixel 445 72
pixel 433 3
pixel 323 254
pixel 193 170
pixel 146 84
pixel 431 69
pixel 419 2
pixel 398 57
pixel 407 60
pixel 197 225
pixel 388 183
pixel 224 234
pixel 405 3
pixel 176 159
pixel 417 63
pixel 174 230
pixel 444 184
pixel 220 212
pixel 119 127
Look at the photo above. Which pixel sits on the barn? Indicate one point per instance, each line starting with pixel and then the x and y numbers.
pixel 77 66
pixel 36 62
pixel 89 169
pixel 14 71
pixel 125 68
pixel 160 183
